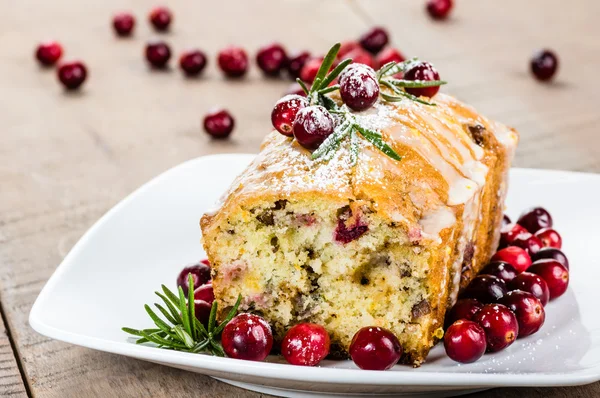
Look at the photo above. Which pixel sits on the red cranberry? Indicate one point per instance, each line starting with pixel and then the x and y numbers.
pixel 360 56
pixel 158 54
pixel 505 221
pixel 160 18
pixel 48 53
pixel 528 309
pixel 284 113
pixel 312 125
pixel 375 348
pixel 439 9
pixel 500 326
pixel 549 238
pixel 192 62
pixel 465 341
pixel 358 87
pixel 531 283
pixel 72 74
pixel 271 59
pixel 296 62
pixel 305 344
pixel 422 71
pixel 205 293
pixel 509 233
pixel 374 40
pixel 554 273
pixel 530 243
pixel 544 65
pixel 218 123
pixel 310 69
pixel 515 256
pixel 486 289
pixel 200 273
pixel 205 262
pixel 388 55
pixel 349 228
pixel 500 269
pixel 233 61
pixel 463 309
pixel 346 48
pixel 123 23
pixel 247 337
pixel 296 89
pixel 551 252
pixel 202 311
pixel 535 219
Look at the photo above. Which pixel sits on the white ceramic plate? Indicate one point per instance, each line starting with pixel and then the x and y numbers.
pixel 146 239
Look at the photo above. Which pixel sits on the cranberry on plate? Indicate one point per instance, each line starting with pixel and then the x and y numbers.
pixel 422 71
pixel 72 74
pixel 375 348
pixel 312 125
pixel 285 111
pixel 160 18
pixel 544 65
pixel 202 311
pixel 530 243
pixel 205 293
pixel 464 309
pixel 192 62
pixel 505 220
pixel 200 273
pixel 485 288
pixel 465 341
pixel 158 54
pixel 233 61
pixel 218 123
pixel 271 59
pixel 500 326
pixel 296 62
pixel 47 53
pixel 123 23
pixel 358 87
pixel 531 283
pixel 439 9
pixel 305 344
pixel 551 252
pixel 535 219
pixel 374 40
pixel 500 269
pixel 247 337
pixel 549 238
pixel 515 256
pixel 528 310
pixel 509 233
pixel 554 273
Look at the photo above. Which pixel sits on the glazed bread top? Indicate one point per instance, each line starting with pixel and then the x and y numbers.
pixel 446 152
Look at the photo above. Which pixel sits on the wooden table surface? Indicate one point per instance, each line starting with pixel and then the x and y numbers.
pixel 65 159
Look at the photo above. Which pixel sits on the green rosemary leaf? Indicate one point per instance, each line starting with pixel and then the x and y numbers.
pixel 332 143
pixel 184 336
pixel 159 322
pixel 166 314
pixel 174 313
pixel 375 138
pixel 354 147
pixel 200 328
pixel 217 349
pixel 304 88
pixel 416 83
pixel 132 331
pixel 162 341
pixel 201 346
pixel 329 89
pixel 172 296
pixel 391 98
pixel 229 316
pixel 185 316
pixel 325 66
pixel 142 341
pixel 212 318
pixel 389 69
pixel 191 306
pixel 402 95
pixel 335 72
pixel 328 103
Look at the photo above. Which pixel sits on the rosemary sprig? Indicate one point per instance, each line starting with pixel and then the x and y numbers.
pixel 182 331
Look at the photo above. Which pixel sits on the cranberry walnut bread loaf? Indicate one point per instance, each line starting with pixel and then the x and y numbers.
pixel 379 243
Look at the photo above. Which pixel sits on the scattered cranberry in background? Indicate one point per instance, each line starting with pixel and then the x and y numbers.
pixel 72 74
pixel 553 253
pixel 554 273
pixel 200 273
pixel 528 310
pixel 205 293
pixel 312 125
pixel 296 62
pixel 247 337
pixel 439 9
pixel 463 309
pixel 505 220
pixel 160 18
pixel 533 284
pixel 295 89
pixel 549 238
pixel 535 219
pixel 544 65
pixel 486 289
pixel 233 61
pixel 465 341
pixel 375 348
pixel 530 243
pixel 285 111
pixel 271 59
pixel 500 326
pixel 305 344
pixel 347 47
pixel 219 123
pixel 358 87
pixel 310 69
pixel 374 40
pixel 509 233
pixel 192 62
pixel 388 55
pixel 123 23
pixel 515 256
pixel 422 71
pixel 158 54
pixel 360 56
pixel 47 53
pixel 500 269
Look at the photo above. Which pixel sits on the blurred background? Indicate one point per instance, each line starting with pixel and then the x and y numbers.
pixel 68 156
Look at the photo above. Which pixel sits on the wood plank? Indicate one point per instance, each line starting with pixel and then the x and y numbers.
pixel 11 382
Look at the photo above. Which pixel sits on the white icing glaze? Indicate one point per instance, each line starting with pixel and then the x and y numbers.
pixel 436 220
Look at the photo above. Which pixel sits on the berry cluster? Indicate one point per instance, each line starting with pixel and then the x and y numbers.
pixel 506 301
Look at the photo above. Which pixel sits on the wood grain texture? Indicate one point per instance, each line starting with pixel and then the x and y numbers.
pixel 11 382
pixel 67 158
